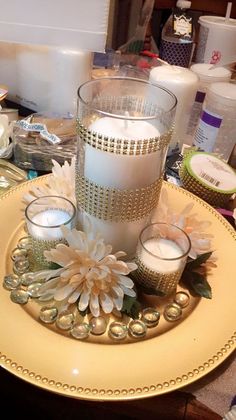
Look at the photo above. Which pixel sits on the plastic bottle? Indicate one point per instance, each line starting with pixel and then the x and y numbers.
pixel 177 38
pixel 216 130
pixel 207 74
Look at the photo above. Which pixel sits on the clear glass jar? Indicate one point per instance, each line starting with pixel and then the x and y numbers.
pixel 207 74
pixel 216 130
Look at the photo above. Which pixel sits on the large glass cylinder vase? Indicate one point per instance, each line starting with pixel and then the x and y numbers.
pixel 124 128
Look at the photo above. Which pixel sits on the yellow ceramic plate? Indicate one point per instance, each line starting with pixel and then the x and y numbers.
pixel 106 371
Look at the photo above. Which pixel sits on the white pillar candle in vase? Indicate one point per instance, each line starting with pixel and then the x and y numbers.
pixel 124 131
pixel 44 218
pixel 161 256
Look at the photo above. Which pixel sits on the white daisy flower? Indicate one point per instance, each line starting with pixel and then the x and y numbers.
pixel 188 222
pixel 89 274
pixel 60 183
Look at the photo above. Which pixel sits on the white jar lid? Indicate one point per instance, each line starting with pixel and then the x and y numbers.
pixel 223 92
pixel 183 4
pixel 217 21
pixel 209 73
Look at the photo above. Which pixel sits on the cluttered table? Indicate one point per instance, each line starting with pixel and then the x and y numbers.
pixel 83 332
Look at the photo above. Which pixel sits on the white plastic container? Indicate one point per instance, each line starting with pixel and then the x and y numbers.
pixel 217 40
pixel 71 24
pixel 207 75
pixel 216 130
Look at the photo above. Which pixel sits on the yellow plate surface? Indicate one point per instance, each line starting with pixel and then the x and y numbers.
pixel 101 371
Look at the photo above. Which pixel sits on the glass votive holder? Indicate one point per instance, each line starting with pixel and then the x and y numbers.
pixel 44 217
pixel 161 257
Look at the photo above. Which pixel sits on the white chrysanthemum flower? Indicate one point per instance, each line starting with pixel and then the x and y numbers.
pixel 60 183
pixel 90 274
pixel 195 229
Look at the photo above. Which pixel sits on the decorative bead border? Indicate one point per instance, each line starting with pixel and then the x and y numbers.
pixel 120 393
pixel 113 204
pixel 123 146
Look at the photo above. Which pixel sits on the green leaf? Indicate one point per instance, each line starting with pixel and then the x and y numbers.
pixel 131 306
pixel 197 284
pixel 201 259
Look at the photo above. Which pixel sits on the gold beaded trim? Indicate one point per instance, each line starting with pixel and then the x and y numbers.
pixel 150 279
pixel 123 146
pixel 116 205
pixel 39 246
pixel 216 199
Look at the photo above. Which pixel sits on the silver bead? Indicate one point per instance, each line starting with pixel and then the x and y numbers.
pixel 182 299
pixel 27 278
pixel 98 325
pixel 137 328
pixel 80 331
pixel 172 312
pixel 151 317
pixel 118 331
pixel 24 243
pixel 12 281
pixel 65 320
pixel 19 296
pixel 48 314
pixel 21 266
pixel 33 290
pixel 19 254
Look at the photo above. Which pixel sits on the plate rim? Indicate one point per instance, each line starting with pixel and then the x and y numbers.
pixel 121 394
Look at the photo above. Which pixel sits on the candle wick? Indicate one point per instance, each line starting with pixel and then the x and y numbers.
pixel 159 249
pixel 126 122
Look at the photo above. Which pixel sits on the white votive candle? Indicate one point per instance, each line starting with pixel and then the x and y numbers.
pixel 46 224
pixel 161 255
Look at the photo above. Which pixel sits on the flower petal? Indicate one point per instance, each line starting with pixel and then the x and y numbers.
pixel 106 303
pixel 125 281
pixel 128 292
pixel 64 292
pixel 84 300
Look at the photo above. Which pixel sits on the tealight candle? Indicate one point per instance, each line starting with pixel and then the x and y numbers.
pixel 44 218
pixel 161 255
pixel 42 223
pixel 156 250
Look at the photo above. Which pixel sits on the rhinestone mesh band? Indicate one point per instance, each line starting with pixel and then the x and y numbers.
pixel 165 283
pixel 122 146
pixel 114 204
pixel 39 246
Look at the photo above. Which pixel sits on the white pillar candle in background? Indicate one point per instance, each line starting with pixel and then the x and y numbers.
pixel 45 225
pixel 161 255
pixel 183 83
pixel 48 77
pixel 69 69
